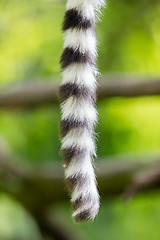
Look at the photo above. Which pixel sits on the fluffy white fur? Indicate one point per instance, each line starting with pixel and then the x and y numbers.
pixel 79 138
pixel 72 108
pixel 84 41
pixel 86 7
pixel 80 74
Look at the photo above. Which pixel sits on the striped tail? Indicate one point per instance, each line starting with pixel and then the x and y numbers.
pixel 77 96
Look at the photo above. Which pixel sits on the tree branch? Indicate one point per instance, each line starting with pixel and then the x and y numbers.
pixel 36 94
pixel 37 188
pixel 145 180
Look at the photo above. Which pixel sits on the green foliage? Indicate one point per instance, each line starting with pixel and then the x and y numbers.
pixel 15 222
pixel 129 126
pixel 129 37
pixel 137 219
pixel 129 40
pixel 33 134
pixel 31 39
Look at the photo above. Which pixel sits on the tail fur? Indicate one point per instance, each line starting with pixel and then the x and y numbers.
pixel 77 96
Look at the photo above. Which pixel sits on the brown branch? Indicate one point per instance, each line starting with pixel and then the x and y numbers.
pixel 145 180
pixel 122 86
pixel 35 188
pixel 38 188
pixel 18 181
pixel 29 95
pixel 36 94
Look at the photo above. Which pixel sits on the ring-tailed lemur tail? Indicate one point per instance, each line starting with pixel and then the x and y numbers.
pixel 77 96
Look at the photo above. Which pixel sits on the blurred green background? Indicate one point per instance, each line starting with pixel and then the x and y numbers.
pixel 30 48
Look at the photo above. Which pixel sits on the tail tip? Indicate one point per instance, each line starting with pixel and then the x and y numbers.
pixel 86 215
